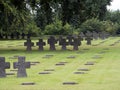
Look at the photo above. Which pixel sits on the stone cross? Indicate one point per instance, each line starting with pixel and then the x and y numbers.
pixel 52 41
pixel 82 34
pixel 103 35
pixel 29 45
pixel 70 38
pixel 21 65
pixel 17 35
pixel 63 43
pixel 28 36
pixel 1 36
pixel 95 35
pixel 12 36
pixel 88 39
pixel 41 44
pixel 88 34
pixel 75 43
pixel 3 65
pixel 23 35
pixel 80 39
pixel 60 39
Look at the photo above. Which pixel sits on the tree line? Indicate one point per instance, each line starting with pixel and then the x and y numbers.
pixel 57 16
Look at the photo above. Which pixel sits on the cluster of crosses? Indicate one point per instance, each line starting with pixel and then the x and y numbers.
pixel 21 65
pixel 74 40
pixel 16 35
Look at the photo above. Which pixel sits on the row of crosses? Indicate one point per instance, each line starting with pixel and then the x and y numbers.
pixel 74 41
pixel 21 65
pixel 16 35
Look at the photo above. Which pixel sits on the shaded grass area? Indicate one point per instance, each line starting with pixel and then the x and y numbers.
pixel 103 75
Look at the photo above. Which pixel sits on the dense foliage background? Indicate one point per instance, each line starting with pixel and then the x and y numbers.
pixel 57 17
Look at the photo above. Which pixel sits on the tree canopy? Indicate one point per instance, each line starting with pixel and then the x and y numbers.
pixel 15 14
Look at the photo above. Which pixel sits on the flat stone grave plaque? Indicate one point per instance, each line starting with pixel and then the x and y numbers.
pixel 63 62
pixel 60 64
pixel 86 49
pixel 70 83
pixel 49 70
pixel 34 63
pixel 79 73
pixel 89 63
pixel 48 56
pixel 102 52
pixel 112 45
pixel 28 83
pixel 44 72
pixel 83 69
pixel 97 57
pixel 105 48
pixel 71 57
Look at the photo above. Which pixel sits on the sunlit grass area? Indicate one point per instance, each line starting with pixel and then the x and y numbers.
pixel 104 74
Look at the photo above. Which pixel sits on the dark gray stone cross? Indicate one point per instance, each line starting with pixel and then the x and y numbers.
pixel 95 35
pixel 80 39
pixel 63 43
pixel 75 43
pixel 21 65
pixel 3 65
pixel 70 38
pixel 88 37
pixel 29 44
pixel 52 41
pixel 41 44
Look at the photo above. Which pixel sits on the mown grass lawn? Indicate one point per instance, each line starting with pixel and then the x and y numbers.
pixel 103 75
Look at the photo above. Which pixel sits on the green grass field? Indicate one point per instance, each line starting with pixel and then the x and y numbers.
pixel 103 75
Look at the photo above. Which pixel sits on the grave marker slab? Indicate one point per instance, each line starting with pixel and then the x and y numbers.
pixel 71 57
pixel 49 70
pixel 83 69
pixel 45 73
pixel 70 83
pixel 3 65
pixel 89 63
pixel 21 65
pixel 28 83
pixel 79 73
